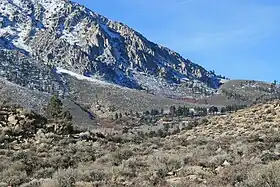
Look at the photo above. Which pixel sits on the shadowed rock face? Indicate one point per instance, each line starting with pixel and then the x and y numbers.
pixel 64 34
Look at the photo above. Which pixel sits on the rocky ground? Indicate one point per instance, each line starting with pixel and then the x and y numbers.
pixel 239 149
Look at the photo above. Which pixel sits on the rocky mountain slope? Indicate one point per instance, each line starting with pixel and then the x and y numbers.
pixel 60 33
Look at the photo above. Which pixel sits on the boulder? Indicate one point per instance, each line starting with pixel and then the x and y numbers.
pixel 226 163
pixel 13 120
pixel 219 169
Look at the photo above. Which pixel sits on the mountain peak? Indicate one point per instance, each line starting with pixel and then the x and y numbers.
pixel 64 34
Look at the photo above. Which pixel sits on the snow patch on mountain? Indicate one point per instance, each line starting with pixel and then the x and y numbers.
pixel 82 77
pixel 109 32
pixel 67 35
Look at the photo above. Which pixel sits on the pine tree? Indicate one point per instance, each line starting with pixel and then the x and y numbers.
pixel 131 113
pixel 186 111
pixel 172 110
pixel 162 111
pixel 213 110
pixel 116 116
pixel 60 117
pixel 54 108
pixel 223 110
pixel 146 113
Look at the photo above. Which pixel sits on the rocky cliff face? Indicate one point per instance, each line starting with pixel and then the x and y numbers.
pixel 64 34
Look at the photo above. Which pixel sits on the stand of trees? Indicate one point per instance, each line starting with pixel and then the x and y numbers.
pixel 183 111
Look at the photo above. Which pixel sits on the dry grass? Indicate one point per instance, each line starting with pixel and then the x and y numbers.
pixel 240 149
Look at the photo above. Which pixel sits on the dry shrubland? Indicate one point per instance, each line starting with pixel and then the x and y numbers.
pixel 240 149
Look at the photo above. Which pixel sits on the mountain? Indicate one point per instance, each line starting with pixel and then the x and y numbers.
pixel 51 34
pixel 60 47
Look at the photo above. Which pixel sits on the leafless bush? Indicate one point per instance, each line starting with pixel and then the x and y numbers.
pixel 264 176
pixel 65 177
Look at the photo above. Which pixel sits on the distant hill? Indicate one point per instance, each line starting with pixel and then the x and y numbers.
pixel 246 92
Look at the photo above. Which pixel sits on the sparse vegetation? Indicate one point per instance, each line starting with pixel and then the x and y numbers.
pixel 238 149
pixel 127 112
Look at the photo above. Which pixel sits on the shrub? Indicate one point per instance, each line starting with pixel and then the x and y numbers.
pixel 14 176
pixel 264 176
pixel 44 173
pixel 121 155
pixel 91 173
pixel 3 184
pixel 49 183
pixel 65 177
pixel 33 183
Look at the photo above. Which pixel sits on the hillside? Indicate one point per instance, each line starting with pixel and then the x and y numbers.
pixel 67 35
pixel 103 100
pixel 239 149
pixel 243 92
pixel 37 101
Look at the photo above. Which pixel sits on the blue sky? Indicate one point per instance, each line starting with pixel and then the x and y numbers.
pixel 237 38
